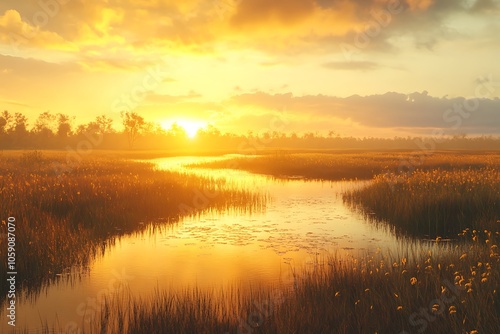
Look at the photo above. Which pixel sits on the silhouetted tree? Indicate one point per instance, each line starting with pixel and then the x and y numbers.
pixel 20 124
pixel 177 131
pixel 104 124
pixel 266 135
pixel 44 125
pixel 3 123
pixel 63 125
pixel 133 125
pixel 19 130
pixel 6 122
pixel 153 129
pixel 210 131
pixel 309 135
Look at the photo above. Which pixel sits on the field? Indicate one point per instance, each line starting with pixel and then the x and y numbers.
pixel 433 203
pixel 73 210
pixel 446 287
pixel 355 165
pixel 453 290
pixel 430 195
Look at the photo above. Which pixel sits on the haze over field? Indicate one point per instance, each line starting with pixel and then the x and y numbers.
pixel 377 67
pixel 270 166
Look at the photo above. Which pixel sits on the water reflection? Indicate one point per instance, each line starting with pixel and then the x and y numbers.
pixel 303 222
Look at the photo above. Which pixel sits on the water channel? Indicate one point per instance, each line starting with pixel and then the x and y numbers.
pixel 303 223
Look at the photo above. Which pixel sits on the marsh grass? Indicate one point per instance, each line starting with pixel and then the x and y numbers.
pixel 434 203
pixel 360 165
pixel 444 288
pixel 389 294
pixel 65 219
pixel 421 289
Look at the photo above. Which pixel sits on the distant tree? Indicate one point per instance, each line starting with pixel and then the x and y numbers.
pixel 158 129
pixel 104 124
pixel 80 129
pixel 210 131
pixel 63 125
pixel 152 128
pixel 133 125
pixel 6 120
pixel 100 126
pixel 309 135
pixel 44 125
pixel 3 125
pixel 18 132
pixel 177 131
pixel 20 126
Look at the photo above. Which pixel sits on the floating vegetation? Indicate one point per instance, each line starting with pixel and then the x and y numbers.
pixel 69 214
pixel 440 290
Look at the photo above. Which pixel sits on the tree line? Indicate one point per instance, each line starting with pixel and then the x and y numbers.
pixel 57 131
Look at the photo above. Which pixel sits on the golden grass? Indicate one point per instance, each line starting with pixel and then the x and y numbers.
pixel 441 289
pixel 361 165
pixel 65 219
pixel 449 288
pixel 436 203
pixel 389 294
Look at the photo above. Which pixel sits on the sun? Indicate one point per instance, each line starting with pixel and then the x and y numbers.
pixel 191 127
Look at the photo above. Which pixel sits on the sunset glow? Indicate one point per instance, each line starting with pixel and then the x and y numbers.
pixel 343 66
pixel 257 166
pixel 191 127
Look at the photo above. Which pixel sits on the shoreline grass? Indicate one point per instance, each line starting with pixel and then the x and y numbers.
pixel 65 219
pixel 453 290
pixel 360 165
pixel 433 203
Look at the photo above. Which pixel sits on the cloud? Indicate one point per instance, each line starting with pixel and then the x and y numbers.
pixel 352 65
pixel 257 12
pixel 163 99
pixel 419 4
pixel 485 6
pixel 16 103
pixel 20 68
pixel 98 62
pixel 16 32
pixel 279 26
pixel 264 100
pixel 389 110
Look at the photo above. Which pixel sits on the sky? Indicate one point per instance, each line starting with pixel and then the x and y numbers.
pixel 379 68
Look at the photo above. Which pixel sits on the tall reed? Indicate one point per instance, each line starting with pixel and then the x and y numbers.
pixel 435 203
pixel 420 289
pixel 359 165
pixel 64 219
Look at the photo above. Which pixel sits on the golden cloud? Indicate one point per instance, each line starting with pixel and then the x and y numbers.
pixel 16 32
pixel 256 12
pixel 141 27
pixel 419 4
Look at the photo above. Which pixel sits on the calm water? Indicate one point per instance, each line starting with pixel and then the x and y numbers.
pixel 303 222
